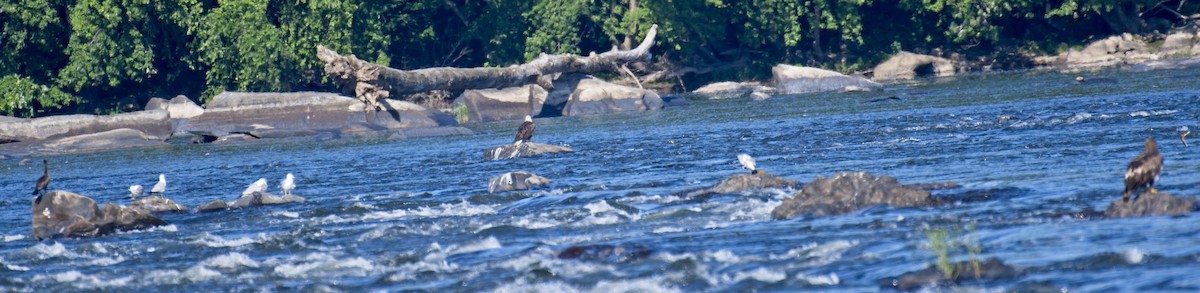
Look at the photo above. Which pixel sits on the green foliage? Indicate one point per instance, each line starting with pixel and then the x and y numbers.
pixel 23 96
pixel 554 27
pixel 119 42
pixel 948 245
pixel 32 38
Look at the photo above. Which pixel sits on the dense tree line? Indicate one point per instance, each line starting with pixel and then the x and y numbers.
pixel 104 56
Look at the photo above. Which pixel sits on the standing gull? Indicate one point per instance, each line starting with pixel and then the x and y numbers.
pixel 525 131
pixel 748 163
pixel 288 183
pixel 42 183
pixel 257 186
pixel 1143 170
pixel 159 187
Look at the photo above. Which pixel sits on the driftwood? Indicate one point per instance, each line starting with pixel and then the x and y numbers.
pixel 372 82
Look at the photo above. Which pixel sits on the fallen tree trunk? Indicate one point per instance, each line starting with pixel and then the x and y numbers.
pixel 372 82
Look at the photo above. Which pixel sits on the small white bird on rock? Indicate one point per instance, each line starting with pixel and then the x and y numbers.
pixel 135 191
pixel 257 186
pixel 159 187
pixel 288 183
pixel 748 162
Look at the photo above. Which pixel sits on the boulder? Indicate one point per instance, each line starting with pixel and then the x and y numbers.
pixel 724 90
pixel 529 149
pixel 1151 204
pixel 157 204
pixel 419 132
pixel 1178 43
pixel 251 200
pixel 907 65
pixel 605 252
pixel 66 214
pixel 155 124
pixel 305 113
pixel 564 86
pixel 179 107
pixel 989 270
pixel 797 80
pixel 595 96
pixel 743 182
pixel 516 181
pixel 115 139
pixel 1113 50
pixel 502 104
pixel 850 191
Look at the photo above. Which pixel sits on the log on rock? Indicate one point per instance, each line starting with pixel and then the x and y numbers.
pixel 528 149
pixel 373 82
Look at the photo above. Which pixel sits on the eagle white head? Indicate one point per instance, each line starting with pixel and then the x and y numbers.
pixel 161 186
pixel 288 183
pixel 747 162
pixel 135 191
pixel 257 186
pixel 528 118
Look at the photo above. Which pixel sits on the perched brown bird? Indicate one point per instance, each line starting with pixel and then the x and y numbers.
pixel 525 131
pixel 1143 170
pixel 42 183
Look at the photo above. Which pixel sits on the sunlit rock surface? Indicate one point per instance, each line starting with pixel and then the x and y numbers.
pixel 850 191
pixel 1151 204
pixel 67 214
pixel 157 204
pixel 528 149
pixel 250 200
pixel 797 80
pixel 743 182
pixel 516 181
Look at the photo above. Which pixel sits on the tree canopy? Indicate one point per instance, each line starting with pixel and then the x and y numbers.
pixel 106 56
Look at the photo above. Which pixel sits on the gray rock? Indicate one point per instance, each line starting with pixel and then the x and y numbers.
pixel 115 139
pixel 907 65
pixel 989 270
pixel 847 192
pixel 516 181
pixel 1151 204
pixel 305 113
pixel 564 86
pixel 420 132
pixel 529 149
pixel 157 204
pixel 594 96
pixel 743 182
pixel 212 206
pixel 502 104
pixel 154 123
pixel 1178 43
pixel 724 90
pixel 252 200
pixel 66 214
pixel 180 107
pixel 1122 49
pixel 797 80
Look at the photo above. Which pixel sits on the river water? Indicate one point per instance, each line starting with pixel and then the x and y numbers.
pixel 415 214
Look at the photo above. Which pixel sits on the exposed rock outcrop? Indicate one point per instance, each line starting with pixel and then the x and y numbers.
pixel 267 115
pixel 594 96
pixel 502 104
pixel 529 149
pixel 154 123
pixel 729 89
pixel 907 65
pixel 66 214
pixel 850 191
pixel 251 200
pixel 156 204
pixel 742 182
pixel 988 270
pixel 604 252
pixel 797 80
pixel 1151 204
pixel 516 181
pixel 179 107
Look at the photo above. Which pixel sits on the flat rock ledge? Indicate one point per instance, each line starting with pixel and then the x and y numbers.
pixel 847 192
pixel 524 150
pixel 1151 204
pixel 516 181
pixel 67 214
pixel 744 182
pixel 252 200
pixel 965 272
pixel 157 204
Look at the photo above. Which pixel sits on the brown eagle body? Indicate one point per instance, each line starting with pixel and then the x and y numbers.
pixel 42 182
pixel 525 131
pixel 1143 170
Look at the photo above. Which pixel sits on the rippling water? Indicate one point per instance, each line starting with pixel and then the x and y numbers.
pixel 415 214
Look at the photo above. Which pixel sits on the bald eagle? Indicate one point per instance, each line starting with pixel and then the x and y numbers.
pixel 1143 170
pixel 525 131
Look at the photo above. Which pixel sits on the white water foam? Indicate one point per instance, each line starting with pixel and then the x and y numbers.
pixel 320 264
pixel 664 230
pixel 229 262
pixel 285 214
pixel 818 254
pixel 831 279
pixel 11 238
pixel 218 241
pixel 485 244
pixel 461 209
pixel 760 274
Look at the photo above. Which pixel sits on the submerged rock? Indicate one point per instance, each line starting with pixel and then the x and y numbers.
pixel 157 204
pixel 67 214
pixel 516 181
pixel 604 252
pixel 797 80
pixel 989 270
pixel 1151 204
pixel 523 150
pixel 254 199
pixel 850 191
pixel 741 183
